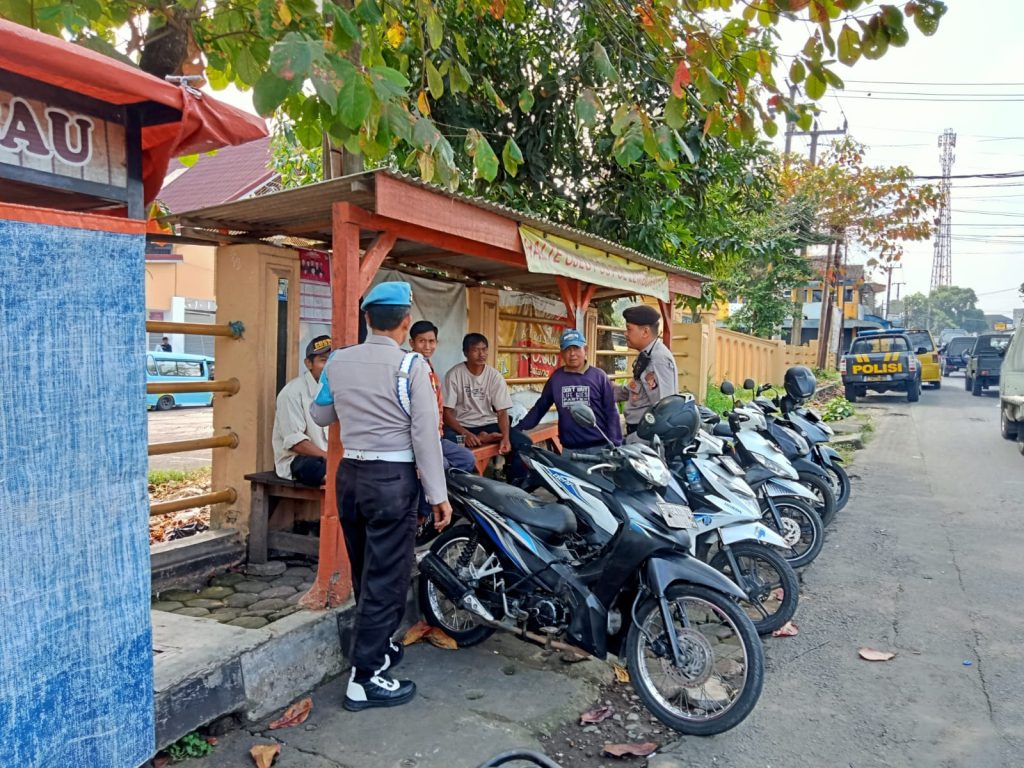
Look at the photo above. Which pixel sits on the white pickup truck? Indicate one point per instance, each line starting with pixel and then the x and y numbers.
pixel 1011 391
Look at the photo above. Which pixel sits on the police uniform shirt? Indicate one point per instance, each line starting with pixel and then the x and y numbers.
pixel 293 422
pixel 363 381
pixel 659 379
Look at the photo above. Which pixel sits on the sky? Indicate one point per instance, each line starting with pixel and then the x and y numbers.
pixel 969 77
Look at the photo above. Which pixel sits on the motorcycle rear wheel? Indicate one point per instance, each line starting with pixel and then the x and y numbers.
pixel 459 624
pixel 801 528
pixel 840 484
pixel 764 573
pixel 826 505
pixel 722 675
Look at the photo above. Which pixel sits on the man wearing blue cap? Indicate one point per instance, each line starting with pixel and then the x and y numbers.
pixel 576 382
pixel 389 426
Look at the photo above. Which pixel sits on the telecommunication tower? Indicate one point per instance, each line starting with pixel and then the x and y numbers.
pixel 942 268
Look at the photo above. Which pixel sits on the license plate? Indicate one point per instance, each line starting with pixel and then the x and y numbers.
pixel 677 515
pixel 730 464
pixel 877 378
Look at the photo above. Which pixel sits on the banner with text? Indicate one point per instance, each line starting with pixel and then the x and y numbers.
pixel 551 255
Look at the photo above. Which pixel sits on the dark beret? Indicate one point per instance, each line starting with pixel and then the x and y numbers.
pixel 641 314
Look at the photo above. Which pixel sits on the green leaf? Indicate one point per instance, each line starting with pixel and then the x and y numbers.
pixel 623 116
pixel 246 66
pixel 435 29
pixel 666 143
pixel 797 72
pixel 325 89
pixel 460 46
pixel 515 12
pixel 425 135
pixel 426 163
pixel 675 112
pixel 369 11
pixel 629 147
pixel 399 121
pixel 189 160
pixel 345 31
pixel 485 162
pixel 815 86
pixel 771 128
pixel 525 100
pixel 493 96
pixel 832 78
pixel 603 64
pixel 685 147
pixel 388 83
pixel 849 46
pixel 511 157
pixel 354 98
pixel 434 81
pixel 926 19
pixel 269 91
pixel 587 106
pixel 459 78
pixel 292 57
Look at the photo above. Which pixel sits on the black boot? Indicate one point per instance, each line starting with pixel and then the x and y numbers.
pixel 377 690
pixel 392 656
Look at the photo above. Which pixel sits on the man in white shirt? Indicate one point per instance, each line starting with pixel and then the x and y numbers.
pixel 300 444
pixel 477 403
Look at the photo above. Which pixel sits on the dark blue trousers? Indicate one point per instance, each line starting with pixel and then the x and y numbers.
pixel 377 503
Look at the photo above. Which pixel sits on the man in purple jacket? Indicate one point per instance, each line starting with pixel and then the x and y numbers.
pixel 577 382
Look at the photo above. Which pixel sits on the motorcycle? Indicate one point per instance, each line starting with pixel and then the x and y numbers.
pixel 524 565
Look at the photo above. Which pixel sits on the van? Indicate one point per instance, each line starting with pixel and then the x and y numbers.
pixel 1011 391
pixel 174 367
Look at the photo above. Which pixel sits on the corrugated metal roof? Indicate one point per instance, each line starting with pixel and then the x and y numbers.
pixel 305 212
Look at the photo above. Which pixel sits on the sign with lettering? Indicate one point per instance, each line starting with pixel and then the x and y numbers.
pixel 42 137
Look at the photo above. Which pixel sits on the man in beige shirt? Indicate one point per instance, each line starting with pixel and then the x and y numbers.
pixel 476 406
pixel 300 444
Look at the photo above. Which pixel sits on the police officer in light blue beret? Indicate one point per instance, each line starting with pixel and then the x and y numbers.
pixel 385 403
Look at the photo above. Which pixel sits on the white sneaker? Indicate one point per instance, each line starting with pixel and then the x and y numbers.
pixel 379 691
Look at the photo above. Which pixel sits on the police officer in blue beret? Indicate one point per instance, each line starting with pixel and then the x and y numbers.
pixel 389 427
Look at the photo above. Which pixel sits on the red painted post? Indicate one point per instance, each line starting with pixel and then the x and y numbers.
pixel 666 319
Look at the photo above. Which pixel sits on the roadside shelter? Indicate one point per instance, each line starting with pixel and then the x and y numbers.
pixel 370 221
pixel 84 144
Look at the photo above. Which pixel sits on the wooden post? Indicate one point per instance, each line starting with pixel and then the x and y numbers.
pixel 482 305
pixel 333 574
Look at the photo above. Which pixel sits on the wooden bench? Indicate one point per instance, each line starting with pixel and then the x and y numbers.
pixel 267 488
pixel 485 453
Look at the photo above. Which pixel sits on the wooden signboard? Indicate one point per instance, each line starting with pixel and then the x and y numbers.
pixel 63 150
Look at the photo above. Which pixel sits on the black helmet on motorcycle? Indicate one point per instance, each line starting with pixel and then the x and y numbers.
pixel 800 383
pixel 707 415
pixel 675 419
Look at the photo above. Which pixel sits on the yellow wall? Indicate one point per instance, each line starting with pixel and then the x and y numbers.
pixel 805 295
pixel 192 277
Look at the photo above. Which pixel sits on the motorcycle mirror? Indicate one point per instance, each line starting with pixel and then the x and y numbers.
pixel 749 384
pixel 727 388
pixel 583 415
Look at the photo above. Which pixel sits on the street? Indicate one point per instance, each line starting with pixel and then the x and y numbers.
pixel 924 562
pixel 185 423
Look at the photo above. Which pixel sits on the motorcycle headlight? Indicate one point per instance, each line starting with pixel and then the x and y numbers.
pixel 651 469
pixel 782 470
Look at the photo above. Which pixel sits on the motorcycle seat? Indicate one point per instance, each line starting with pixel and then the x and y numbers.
pixel 516 504
pixel 722 429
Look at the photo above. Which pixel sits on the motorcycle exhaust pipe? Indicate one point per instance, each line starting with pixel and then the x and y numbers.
pixel 454 588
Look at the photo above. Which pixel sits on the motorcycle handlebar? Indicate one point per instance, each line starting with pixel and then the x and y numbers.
pixel 583 456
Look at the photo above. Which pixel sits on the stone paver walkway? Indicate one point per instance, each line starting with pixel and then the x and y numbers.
pixel 243 599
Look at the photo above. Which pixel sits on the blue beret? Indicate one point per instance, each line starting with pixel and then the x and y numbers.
pixel 394 294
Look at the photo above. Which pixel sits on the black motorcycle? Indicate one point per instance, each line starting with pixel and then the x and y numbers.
pixel 519 563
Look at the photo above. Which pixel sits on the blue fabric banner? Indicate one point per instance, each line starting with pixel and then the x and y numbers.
pixel 76 670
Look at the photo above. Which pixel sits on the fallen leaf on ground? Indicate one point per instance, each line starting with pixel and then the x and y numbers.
pixel 440 639
pixel 621 674
pixel 211 740
pixel 416 632
pixel 263 754
pixel 779 594
pixel 161 761
pixel 596 715
pixel 871 654
pixel 571 657
pixel 789 629
pixel 630 750
pixel 296 714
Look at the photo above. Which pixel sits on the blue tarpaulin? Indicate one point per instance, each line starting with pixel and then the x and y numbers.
pixel 76 673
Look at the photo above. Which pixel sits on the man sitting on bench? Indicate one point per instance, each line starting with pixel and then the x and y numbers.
pixel 300 445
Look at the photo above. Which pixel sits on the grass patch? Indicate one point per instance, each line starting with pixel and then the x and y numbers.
pixel 826 374
pixel 720 403
pixel 165 476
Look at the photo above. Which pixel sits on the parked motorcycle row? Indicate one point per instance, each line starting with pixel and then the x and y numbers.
pixel 673 553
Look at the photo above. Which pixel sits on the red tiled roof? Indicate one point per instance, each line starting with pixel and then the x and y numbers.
pixel 229 174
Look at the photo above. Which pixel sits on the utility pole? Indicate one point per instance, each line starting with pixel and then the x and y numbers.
pixel 942 266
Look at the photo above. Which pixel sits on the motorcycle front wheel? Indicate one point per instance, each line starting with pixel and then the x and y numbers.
pixel 722 670
pixel 799 525
pixel 769 582
pixel 463 552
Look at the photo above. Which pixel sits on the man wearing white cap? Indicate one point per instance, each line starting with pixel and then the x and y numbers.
pixel 389 426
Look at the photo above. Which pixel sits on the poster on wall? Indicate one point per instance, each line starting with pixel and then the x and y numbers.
pixel 314 287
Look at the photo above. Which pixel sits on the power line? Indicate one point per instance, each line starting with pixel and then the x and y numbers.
pixel 999 175
pixel 912 82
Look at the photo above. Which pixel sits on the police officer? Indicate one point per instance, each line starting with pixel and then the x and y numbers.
pixel 378 491
pixel 654 371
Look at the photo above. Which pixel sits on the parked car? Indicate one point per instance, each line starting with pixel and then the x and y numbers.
pixel 953 357
pixel 985 361
pixel 881 361
pixel 927 352
pixel 164 367
pixel 948 334
pixel 1011 391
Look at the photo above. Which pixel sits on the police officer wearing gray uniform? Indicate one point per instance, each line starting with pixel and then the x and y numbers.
pixel 654 371
pixel 389 427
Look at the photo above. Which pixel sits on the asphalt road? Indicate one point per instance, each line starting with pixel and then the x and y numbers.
pixel 926 561
pixel 184 423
